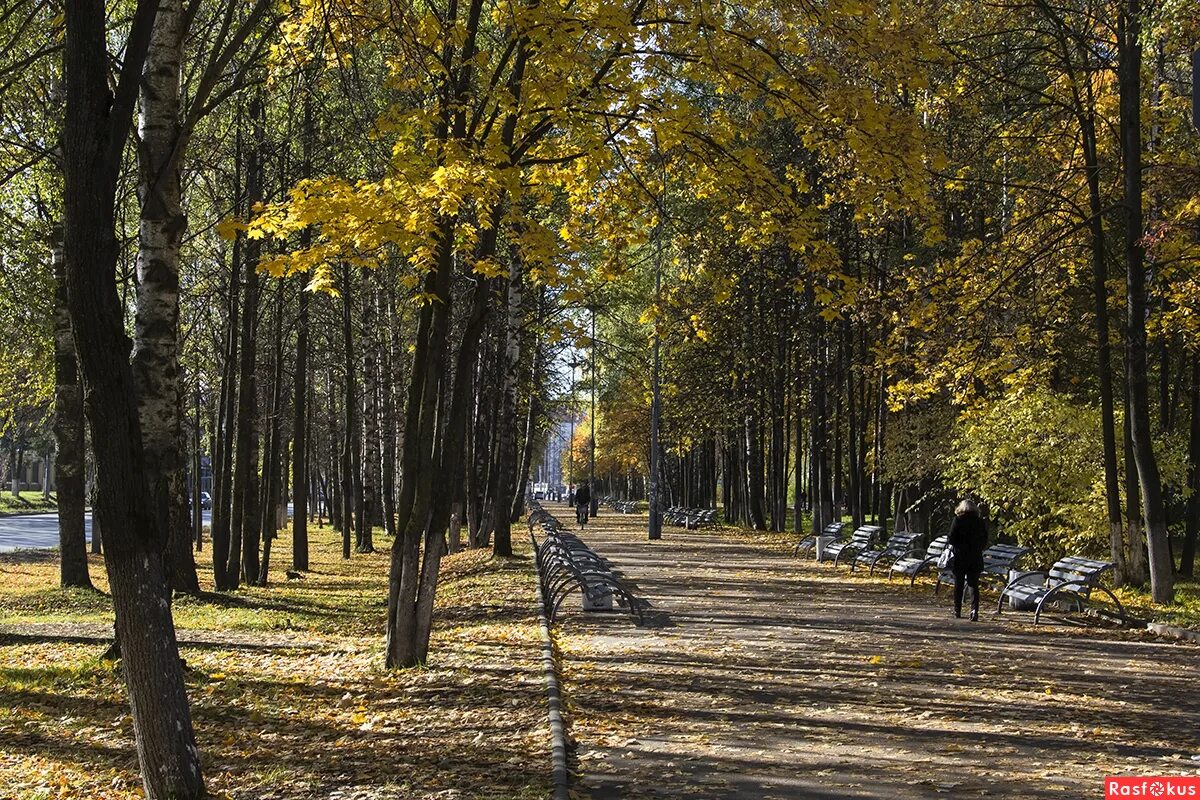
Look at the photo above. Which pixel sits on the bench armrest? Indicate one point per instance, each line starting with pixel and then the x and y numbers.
pixel 1023 578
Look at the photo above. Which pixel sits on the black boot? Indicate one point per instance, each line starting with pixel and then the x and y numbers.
pixel 975 614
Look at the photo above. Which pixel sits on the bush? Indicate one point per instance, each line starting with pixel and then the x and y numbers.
pixel 1037 460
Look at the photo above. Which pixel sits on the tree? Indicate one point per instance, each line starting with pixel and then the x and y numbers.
pixel 94 135
pixel 68 434
pixel 1162 568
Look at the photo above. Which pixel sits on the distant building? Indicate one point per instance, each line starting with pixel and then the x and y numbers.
pixel 550 475
pixel 33 473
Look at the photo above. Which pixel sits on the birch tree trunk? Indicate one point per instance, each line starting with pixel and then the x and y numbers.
pixel 156 346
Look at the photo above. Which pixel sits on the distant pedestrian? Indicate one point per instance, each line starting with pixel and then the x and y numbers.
pixel 968 537
pixel 571 496
pixel 583 502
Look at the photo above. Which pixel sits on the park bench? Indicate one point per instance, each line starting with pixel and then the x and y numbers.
pixel 916 560
pixel 897 545
pixel 1071 579
pixel 860 540
pixel 809 543
pixel 566 564
pixel 998 560
pixel 701 518
pixel 690 518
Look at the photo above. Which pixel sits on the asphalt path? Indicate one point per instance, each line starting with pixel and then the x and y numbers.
pixel 40 531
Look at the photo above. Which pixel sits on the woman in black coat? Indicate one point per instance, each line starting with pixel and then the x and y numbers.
pixel 968 537
pixel 583 502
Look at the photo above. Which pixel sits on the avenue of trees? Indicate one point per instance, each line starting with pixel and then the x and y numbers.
pixel 1021 327
pixel 339 254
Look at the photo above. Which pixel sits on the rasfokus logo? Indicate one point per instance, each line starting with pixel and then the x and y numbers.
pixel 1157 786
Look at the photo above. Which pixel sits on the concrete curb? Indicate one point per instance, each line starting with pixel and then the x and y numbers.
pixel 1173 631
pixel 1157 628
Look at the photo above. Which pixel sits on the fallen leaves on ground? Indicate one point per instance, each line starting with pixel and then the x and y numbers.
pixel 289 695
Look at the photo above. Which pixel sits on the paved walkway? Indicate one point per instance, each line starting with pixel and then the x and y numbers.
pixel 761 676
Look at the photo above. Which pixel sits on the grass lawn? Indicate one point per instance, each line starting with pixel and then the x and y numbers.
pixel 26 503
pixel 288 692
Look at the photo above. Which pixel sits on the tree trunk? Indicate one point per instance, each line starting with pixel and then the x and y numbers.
pixel 156 346
pixel 390 431
pixel 1112 487
pixel 223 435
pixel 300 448
pixel 68 434
pixel 300 421
pixel 352 484
pixel 450 466
pixel 243 542
pixel 370 416
pixel 272 456
pixel 532 414
pixel 419 450
pixel 95 129
pixel 820 490
pixel 1130 59
pixel 402 577
pixel 182 559
pixel 1192 527
pixel 507 456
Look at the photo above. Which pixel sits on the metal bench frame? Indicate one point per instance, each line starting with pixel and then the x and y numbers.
pixel 919 559
pixel 565 564
pixel 809 543
pixel 898 543
pixel 998 559
pixel 1074 577
pixel 862 539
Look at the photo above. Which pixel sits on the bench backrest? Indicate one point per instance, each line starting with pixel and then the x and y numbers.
pixel 901 541
pixel 1077 568
pixel 1002 556
pixel 834 529
pixel 865 535
pixel 937 547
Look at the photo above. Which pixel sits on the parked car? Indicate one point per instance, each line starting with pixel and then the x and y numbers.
pixel 205 500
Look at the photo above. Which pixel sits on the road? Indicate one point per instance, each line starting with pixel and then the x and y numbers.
pixel 25 531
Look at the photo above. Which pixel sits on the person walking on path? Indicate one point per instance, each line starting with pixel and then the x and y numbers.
pixel 968 537
pixel 583 502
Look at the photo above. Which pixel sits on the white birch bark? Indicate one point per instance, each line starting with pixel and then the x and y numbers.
pixel 156 343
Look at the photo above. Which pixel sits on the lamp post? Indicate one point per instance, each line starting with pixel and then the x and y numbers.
pixel 592 455
pixel 571 441
pixel 655 528
pixel 655 404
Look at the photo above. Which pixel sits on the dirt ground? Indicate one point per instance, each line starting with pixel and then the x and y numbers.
pixel 758 675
